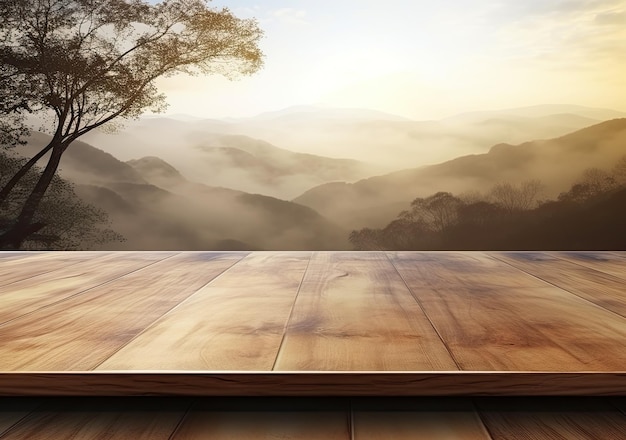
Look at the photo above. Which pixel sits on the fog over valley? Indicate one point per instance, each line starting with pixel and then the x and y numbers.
pixel 304 177
pixel 259 154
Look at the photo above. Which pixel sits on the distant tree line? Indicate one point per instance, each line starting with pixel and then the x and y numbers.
pixel 590 215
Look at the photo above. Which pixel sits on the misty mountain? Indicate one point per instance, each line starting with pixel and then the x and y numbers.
pixel 204 154
pixel 157 171
pixel 391 142
pixel 156 208
pixel 312 112
pixel 585 217
pixel 284 153
pixel 556 162
pixel 253 165
pixel 539 111
pixel 83 163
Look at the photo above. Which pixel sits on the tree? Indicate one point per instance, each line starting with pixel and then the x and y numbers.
pixel 439 211
pixel 479 213
pixel 402 234
pixel 619 171
pixel 69 223
pixel 514 198
pixel 87 63
pixel 366 239
pixel 594 182
pixel 12 126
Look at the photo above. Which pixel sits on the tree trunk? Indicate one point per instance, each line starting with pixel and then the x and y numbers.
pixel 14 237
pixel 6 190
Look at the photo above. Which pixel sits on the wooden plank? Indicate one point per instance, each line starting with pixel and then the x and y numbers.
pixel 354 312
pixel 234 323
pixel 460 270
pixel 18 269
pixel 495 317
pixel 600 288
pixel 607 262
pixel 81 332
pixel 6 256
pixel 259 383
pixel 266 419
pixel 552 418
pixel 28 295
pixel 404 419
pixel 14 409
pixel 94 419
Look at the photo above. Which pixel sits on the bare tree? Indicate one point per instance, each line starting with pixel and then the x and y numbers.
pixel 87 63
pixel 439 211
pixel 513 198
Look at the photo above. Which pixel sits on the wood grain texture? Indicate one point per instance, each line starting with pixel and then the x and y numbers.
pixel 210 323
pixel 14 409
pixel 607 262
pixel 495 317
pixel 408 419
pixel 81 332
pixel 459 270
pixel 244 383
pixel 6 256
pixel 355 313
pixel 17 269
pixel 97 419
pixel 234 323
pixel 291 419
pixel 552 419
pixel 25 296
pixel 539 418
pixel 605 290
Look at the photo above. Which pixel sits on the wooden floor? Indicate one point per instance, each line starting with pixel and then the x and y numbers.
pixel 313 418
pixel 313 323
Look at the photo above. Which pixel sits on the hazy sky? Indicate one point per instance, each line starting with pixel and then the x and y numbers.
pixel 421 59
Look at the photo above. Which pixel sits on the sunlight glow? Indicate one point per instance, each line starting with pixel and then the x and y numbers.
pixel 421 60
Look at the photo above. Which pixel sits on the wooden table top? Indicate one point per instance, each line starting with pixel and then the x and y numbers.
pixel 312 323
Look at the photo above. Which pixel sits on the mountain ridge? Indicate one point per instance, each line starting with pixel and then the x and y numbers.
pixel 178 214
pixel 557 162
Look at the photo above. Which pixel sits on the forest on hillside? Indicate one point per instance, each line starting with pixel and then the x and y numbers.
pixel 88 160
pixel 591 215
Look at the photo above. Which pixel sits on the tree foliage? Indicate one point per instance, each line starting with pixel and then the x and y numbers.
pixel 509 216
pixel 69 223
pixel 82 64
pixel 13 129
pixel 594 181
pixel 437 212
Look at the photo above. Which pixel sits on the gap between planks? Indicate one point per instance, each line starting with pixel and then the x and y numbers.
pixel 77 333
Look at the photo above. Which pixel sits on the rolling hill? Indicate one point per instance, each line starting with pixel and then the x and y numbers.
pixel 207 153
pixel 156 208
pixel 556 162
pixel 284 153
